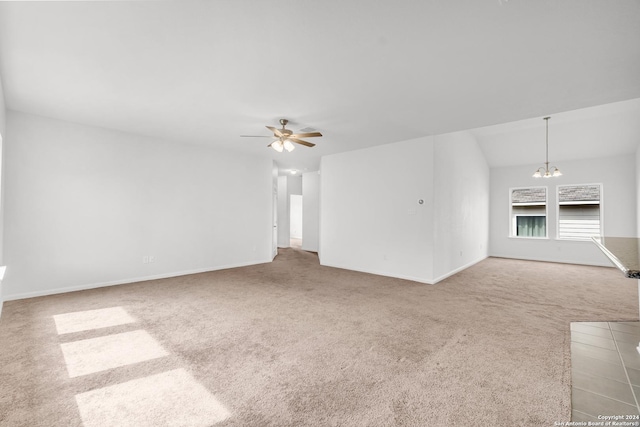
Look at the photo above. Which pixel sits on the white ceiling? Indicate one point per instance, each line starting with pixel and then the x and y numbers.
pixel 603 131
pixel 362 72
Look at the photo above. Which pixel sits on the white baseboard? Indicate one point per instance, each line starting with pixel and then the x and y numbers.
pixel 459 269
pixel 559 261
pixel 414 279
pixel 125 281
pixel 380 273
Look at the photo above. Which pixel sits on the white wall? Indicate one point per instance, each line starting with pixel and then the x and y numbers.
pixel 295 216
pixel 370 219
pixel 284 239
pixel 461 204
pixel 274 208
pixel 3 111
pixel 311 211
pixel 84 206
pixel 294 184
pixel 637 192
pixel 616 174
pixel 287 185
pixel 2 135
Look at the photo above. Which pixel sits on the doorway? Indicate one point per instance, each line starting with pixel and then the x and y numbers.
pixel 274 236
pixel 295 221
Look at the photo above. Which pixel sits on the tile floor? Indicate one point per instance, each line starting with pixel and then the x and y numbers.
pixel 605 370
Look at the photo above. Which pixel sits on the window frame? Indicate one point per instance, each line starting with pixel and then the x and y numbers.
pixel 513 232
pixel 600 205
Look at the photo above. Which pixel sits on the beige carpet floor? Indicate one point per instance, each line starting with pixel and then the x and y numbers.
pixel 292 343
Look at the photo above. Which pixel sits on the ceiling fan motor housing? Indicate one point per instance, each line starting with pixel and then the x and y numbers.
pixel 283 131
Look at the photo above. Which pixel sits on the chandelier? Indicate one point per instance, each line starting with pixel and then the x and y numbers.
pixel 544 171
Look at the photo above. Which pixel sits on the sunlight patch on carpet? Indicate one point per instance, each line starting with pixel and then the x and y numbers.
pixel 111 351
pixel 172 398
pixel 91 319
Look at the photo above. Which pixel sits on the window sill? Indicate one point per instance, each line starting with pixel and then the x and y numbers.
pixel 557 239
pixel 528 238
pixel 574 240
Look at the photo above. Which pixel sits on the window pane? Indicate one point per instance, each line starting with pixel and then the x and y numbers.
pixel 531 226
pixel 579 211
pixel 529 212
pixel 578 193
pixel 528 196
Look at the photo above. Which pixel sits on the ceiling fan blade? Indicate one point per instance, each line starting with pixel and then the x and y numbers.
pixel 305 135
pixel 301 142
pixel 274 130
pixel 255 136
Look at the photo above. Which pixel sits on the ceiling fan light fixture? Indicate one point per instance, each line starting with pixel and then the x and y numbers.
pixel 277 146
pixel 288 145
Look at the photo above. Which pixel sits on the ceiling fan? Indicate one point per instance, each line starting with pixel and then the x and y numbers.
pixel 286 138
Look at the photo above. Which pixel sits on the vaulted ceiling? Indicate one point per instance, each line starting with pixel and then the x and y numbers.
pixel 362 72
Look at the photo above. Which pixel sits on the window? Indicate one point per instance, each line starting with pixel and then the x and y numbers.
pixel 579 211
pixel 529 212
